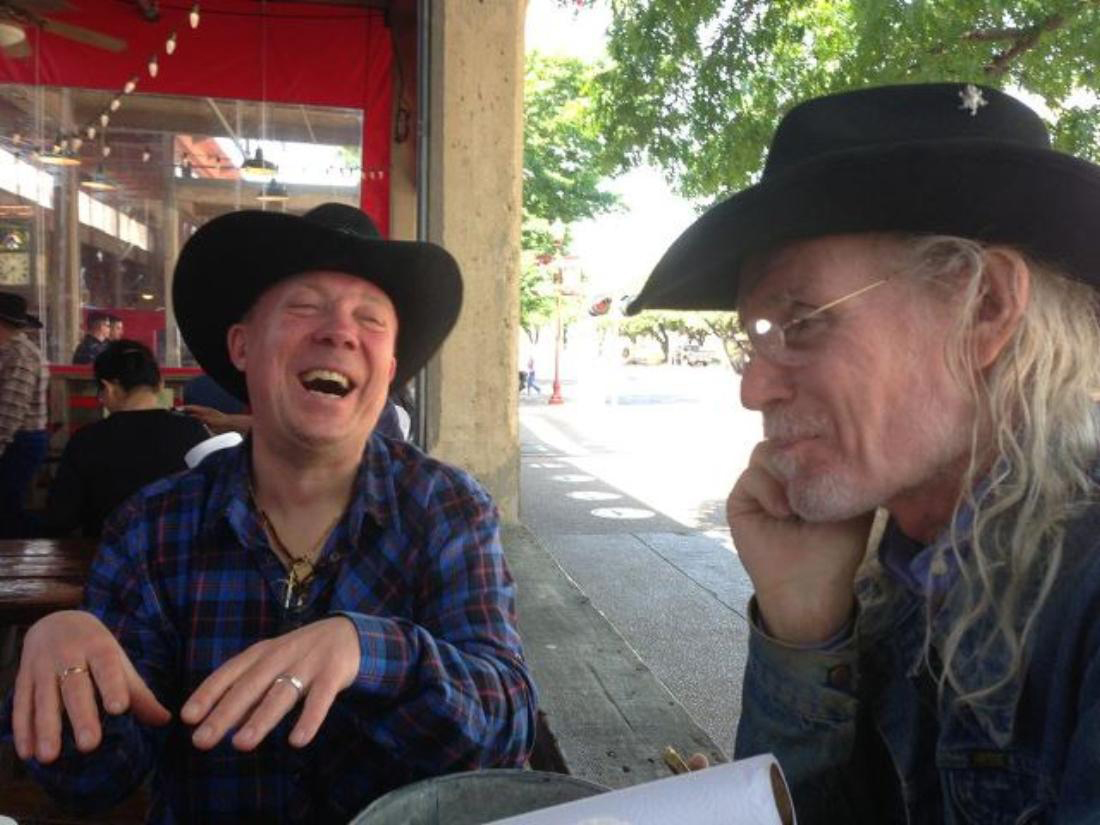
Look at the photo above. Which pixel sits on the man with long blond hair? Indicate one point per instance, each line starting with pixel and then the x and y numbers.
pixel 916 277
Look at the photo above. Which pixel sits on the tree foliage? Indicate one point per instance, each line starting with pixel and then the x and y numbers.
pixel 563 155
pixel 698 86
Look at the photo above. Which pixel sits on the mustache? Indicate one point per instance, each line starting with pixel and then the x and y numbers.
pixel 787 425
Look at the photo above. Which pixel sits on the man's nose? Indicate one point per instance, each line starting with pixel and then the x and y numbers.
pixel 764 383
pixel 338 330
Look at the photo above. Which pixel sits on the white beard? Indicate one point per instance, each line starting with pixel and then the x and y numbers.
pixel 839 491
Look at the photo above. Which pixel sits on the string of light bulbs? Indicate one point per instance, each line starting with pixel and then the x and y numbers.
pixel 65 149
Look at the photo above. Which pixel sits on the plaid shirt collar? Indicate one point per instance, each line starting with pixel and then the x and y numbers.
pixel 230 503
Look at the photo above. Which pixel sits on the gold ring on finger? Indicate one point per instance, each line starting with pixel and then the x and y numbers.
pixel 72 670
pixel 293 681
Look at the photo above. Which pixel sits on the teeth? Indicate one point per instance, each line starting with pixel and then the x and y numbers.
pixel 326 375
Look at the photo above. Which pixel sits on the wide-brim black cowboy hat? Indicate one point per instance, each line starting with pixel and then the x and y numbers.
pixel 13 310
pixel 951 159
pixel 230 261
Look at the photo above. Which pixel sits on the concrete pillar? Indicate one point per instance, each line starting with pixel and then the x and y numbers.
pixel 476 164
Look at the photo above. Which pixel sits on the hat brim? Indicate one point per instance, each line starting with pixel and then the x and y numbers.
pixel 27 321
pixel 1043 201
pixel 229 262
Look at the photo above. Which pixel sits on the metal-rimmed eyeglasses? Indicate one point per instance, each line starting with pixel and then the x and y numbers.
pixel 790 343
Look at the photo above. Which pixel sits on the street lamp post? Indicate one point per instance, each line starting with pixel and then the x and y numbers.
pixel 555 396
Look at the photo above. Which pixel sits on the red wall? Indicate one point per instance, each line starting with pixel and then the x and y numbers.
pixel 314 54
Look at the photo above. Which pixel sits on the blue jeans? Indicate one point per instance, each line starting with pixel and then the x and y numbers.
pixel 18 464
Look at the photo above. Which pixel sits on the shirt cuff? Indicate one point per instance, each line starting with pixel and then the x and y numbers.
pixel 384 653
pixel 818 681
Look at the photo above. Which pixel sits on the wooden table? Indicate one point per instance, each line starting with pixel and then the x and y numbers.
pixel 39 576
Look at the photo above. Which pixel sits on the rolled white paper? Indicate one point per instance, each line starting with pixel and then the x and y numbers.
pixel 735 793
pixel 204 448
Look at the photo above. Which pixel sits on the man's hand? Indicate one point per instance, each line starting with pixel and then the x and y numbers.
pixel 803 572
pixel 257 688
pixel 68 657
pixel 218 422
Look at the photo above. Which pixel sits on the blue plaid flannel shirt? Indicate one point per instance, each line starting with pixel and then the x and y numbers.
pixel 186 579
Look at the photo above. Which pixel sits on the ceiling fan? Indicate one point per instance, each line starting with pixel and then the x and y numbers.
pixel 16 16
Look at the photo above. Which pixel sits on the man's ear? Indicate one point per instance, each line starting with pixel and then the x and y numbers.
pixel 393 369
pixel 236 341
pixel 1005 289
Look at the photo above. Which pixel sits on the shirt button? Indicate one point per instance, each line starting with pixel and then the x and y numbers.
pixel 840 677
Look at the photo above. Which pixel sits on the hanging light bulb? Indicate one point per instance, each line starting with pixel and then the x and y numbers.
pixel 99 181
pixel 106 150
pixel 193 17
pixel 154 67
pixel 16 138
pixel 170 43
pixel 115 103
pixel 273 192
pixel 144 155
pixel 131 84
pixel 90 132
pixel 104 119
pixel 63 145
pixel 257 169
pixel 77 142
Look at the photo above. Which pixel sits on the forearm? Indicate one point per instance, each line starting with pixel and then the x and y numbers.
pixel 450 705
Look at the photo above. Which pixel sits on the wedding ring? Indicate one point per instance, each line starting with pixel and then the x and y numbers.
pixel 65 673
pixel 293 681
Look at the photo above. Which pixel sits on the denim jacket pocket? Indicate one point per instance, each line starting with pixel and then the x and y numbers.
pixel 993 787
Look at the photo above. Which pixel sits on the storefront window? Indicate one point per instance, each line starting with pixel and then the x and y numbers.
pixel 103 235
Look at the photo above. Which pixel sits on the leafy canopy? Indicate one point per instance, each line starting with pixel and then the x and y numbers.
pixel 563 156
pixel 698 86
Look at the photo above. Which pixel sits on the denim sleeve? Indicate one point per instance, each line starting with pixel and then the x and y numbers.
pixel 1079 794
pixel 802 705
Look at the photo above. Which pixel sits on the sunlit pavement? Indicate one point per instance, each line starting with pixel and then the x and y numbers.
pixel 625 483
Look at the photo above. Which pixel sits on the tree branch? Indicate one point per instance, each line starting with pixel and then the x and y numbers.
pixel 1024 41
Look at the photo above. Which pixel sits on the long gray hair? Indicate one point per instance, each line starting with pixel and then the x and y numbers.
pixel 1037 422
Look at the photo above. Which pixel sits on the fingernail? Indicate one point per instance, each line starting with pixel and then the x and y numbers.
pixel 298 738
pixel 191 709
pixel 204 734
pixel 115 706
pixel 246 734
pixel 44 746
pixel 84 738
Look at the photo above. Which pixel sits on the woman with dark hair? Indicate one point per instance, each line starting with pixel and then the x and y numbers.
pixel 139 442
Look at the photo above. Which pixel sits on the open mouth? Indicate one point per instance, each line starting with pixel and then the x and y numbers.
pixel 326 382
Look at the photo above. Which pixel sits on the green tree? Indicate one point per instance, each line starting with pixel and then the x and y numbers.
pixel 562 175
pixel 658 325
pixel 698 86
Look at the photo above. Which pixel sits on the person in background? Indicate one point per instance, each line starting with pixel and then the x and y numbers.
pixel 24 379
pixel 106 462
pixel 531 386
pixel 316 616
pixel 116 328
pixel 916 274
pixel 95 339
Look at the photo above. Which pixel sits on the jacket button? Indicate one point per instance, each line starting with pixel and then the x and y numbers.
pixel 840 677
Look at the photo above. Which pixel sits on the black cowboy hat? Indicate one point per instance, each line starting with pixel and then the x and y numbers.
pixel 941 158
pixel 228 263
pixel 13 310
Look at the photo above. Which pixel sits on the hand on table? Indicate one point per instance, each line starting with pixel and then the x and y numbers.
pixel 258 687
pixel 803 572
pixel 69 657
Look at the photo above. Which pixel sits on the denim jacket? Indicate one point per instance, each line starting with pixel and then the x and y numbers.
pixel 863 735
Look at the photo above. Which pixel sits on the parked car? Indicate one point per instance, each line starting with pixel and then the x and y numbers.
pixel 696 356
